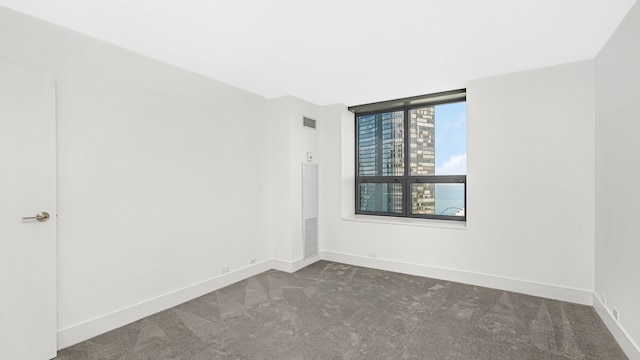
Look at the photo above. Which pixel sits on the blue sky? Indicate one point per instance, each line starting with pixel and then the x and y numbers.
pixel 451 138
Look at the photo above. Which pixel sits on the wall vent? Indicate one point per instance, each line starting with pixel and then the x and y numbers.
pixel 310 237
pixel 308 122
pixel 309 210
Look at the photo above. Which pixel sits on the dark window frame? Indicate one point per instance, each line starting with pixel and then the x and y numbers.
pixel 406 180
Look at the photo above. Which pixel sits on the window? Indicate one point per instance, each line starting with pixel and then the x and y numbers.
pixel 411 157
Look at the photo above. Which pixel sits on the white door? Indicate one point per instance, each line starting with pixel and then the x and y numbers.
pixel 27 187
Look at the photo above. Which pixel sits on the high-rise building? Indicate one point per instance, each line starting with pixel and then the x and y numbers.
pixel 381 153
pixel 422 158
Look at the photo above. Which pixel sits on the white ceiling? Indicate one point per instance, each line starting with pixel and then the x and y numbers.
pixel 349 51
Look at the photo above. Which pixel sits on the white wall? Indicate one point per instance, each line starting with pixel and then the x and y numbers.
pixel 291 142
pixel 617 178
pixel 530 192
pixel 160 176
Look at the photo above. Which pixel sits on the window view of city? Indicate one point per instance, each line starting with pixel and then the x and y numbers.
pixel 434 149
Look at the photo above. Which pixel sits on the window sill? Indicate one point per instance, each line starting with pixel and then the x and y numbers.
pixel 389 220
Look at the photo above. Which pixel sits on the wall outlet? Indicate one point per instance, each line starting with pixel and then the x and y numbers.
pixel 616 314
pixel 253 261
pixel 373 255
pixel 604 299
pixel 224 270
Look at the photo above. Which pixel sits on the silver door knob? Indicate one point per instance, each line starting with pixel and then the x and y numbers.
pixel 41 216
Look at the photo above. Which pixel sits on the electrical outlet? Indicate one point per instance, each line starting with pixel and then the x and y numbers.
pixel 253 261
pixel 604 299
pixel 373 255
pixel 224 270
pixel 616 314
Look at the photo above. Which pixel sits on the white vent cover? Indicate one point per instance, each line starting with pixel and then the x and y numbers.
pixel 309 210
pixel 310 237
pixel 308 122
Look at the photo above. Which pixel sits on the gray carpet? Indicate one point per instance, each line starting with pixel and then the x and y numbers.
pixel 337 311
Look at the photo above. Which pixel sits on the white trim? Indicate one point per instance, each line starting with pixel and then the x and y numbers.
pixel 293 266
pixel 282 265
pixel 549 291
pixel 630 348
pixel 77 333
pixel 74 334
pixel 391 220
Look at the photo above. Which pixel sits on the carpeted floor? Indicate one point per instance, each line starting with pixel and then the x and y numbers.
pixel 337 311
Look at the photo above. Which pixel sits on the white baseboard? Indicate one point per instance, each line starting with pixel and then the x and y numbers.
pixel 293 266
pixel 630 348
pixel 86 330
pixel 578 296
pixel 83 331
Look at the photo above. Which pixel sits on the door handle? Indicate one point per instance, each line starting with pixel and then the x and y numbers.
pixel 41 216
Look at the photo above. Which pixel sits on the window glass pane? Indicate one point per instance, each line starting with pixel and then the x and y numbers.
pixel 381 197
pixel 380 144
pixel 438 140
pixel 437 199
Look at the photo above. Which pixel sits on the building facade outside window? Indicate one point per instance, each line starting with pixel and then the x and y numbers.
pixel 411 157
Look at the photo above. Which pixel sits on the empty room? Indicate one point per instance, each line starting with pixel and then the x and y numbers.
pixel 319 179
